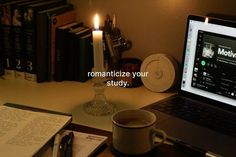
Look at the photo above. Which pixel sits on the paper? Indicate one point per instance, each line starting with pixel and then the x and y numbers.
pixel 86 144
pixel 24 132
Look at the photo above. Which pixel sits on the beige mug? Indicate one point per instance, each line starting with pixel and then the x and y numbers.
pixel 134 132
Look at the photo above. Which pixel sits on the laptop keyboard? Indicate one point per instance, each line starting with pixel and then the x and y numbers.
pixel 202 115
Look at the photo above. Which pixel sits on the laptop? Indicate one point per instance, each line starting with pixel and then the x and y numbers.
pixel 203 113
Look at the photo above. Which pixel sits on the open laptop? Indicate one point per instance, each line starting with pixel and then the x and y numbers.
pixel 203 113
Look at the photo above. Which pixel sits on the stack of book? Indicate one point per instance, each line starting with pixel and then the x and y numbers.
pixel 74 54
pixel 28 37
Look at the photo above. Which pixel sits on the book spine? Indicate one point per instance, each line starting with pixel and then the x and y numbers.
pixel 35 69
pixel 76 59
pixel 55 21
pixel 18 43
pixel 29 44
pixel 1 53
pixel 8 55
pixel 69 57
pixel 85 58
pixel 41 48
pixel 59 55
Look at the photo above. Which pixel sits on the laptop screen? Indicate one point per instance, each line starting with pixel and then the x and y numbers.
pixel 209 63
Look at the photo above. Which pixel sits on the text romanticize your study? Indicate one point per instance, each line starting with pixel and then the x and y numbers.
pixel 117 74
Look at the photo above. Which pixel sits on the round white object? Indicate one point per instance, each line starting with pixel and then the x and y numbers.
pixel 162 72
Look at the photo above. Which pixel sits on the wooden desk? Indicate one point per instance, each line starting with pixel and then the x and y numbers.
pixel 70 96
pixel 162 151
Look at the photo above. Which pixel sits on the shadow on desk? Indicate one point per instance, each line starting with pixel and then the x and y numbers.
pixel 105 151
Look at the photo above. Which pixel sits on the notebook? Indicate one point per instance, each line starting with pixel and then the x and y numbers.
pixel 26 131
pixel 202 114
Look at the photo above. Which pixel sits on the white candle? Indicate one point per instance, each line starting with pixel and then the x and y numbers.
pixel 97 46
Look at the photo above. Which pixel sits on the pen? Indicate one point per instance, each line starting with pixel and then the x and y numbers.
pixel 63 146
pixel 69 145
pixel 57 143
pixel 66 145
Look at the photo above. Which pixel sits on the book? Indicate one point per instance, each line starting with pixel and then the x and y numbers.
pixel 30 35
pixel 61 48
pixel 7 37
pixel 17 19
pixel 83 56
pixel 70 52
pixel 1 49
pixel 1 54
pixel 87 144
pixel 56 20
pixel 25 130
pixel 42 43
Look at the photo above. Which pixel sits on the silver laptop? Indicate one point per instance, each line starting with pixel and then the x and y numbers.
pixel 203 113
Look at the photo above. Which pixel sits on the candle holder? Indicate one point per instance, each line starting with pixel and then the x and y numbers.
pixel 99 106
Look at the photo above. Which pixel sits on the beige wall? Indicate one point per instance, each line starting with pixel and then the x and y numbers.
pixel 154 26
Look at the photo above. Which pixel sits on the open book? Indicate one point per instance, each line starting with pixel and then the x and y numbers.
pixel 25 130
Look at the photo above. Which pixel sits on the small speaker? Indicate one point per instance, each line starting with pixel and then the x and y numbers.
pixel 163 72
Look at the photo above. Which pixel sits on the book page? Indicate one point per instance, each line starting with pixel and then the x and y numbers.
pixel 86 144
pixel 24 132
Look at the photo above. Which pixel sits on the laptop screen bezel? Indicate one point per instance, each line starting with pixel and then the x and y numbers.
pixel 215 103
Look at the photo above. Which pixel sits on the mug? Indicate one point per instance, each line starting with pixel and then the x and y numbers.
pixel 134 132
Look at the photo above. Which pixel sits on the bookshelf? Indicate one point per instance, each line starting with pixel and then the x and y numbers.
pixel 69 96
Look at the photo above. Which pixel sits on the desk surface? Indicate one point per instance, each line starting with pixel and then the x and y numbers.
pixel 69 96
pixel 162 151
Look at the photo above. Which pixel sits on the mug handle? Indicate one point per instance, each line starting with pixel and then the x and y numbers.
pixel 158 133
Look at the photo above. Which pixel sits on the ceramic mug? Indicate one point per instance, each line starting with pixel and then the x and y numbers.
pixel 134 132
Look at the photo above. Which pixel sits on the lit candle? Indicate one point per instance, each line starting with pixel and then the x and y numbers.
pixel 97 46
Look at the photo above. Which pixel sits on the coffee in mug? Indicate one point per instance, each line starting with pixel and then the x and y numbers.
pixel 134 132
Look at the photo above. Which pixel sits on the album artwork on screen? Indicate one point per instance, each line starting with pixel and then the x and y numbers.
pixel 214 67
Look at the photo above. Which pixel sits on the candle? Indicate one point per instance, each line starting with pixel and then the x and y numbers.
pixel 97 46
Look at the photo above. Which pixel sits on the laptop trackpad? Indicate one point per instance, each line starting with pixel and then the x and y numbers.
pixel 199 136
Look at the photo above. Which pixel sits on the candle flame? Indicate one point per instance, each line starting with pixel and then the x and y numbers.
pixel 206 20
pixel 96 22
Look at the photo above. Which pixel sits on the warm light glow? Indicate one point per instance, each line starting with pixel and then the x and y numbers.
pixel 206 20
pixel 114 21
pixel 96 22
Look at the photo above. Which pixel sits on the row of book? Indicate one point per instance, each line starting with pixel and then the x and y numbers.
pixel 36 47
pixel 74 53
